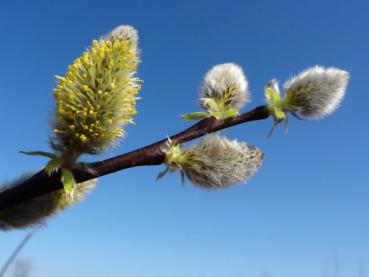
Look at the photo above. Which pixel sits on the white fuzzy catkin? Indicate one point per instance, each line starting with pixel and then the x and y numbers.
pixel 316 92
pixel 222 79
pixel 36 211
pixel 126 31
pixel 216 162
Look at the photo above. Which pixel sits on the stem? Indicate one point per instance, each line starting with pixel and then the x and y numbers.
pixel 16 251
pixel 41 184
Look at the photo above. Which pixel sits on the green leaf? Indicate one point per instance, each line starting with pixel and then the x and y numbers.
pixel 53 165
pixel 211 103
pixel 279 114
pixel 195 115
pixel 230 113
pixel 272 96
pixel 69 182
pixel 38 153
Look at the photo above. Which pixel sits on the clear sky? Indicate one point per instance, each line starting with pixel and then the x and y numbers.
pixel 304 214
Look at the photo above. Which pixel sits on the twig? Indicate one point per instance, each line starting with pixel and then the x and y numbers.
pixel 40 183
pixel 16 251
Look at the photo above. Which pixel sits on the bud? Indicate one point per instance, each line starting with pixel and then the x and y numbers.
pixel 226 85
pixel 214 162
pixel 36 211
pixel 223 92
pixel 275 104
pixel 316 92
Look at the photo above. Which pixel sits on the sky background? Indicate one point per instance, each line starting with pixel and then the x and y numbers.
pixel 305 212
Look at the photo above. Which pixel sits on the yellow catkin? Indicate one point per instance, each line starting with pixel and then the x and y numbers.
pixel 97 96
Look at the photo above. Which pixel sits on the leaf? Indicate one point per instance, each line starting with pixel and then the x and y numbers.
pixel 211 103
pixel 69 182
pixel 279 114
pixel 53 165
pixel 268 94
pixel 195 115
pixel 272 95
pixel 230 113
pixel 162 174
pixel 272 130
pixel 38 153
pixel 213 107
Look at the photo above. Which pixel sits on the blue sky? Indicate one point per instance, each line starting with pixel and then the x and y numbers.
pixel 303 214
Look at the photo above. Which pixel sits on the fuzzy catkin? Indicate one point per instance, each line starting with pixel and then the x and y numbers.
pixel 227 83
pixel 216 162
pixel 36 211
pixel 316 92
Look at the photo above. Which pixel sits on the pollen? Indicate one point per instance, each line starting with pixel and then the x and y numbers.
pixel 97 96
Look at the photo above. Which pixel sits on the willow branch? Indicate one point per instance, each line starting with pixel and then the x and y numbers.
pixel 41 184
pixel 16 251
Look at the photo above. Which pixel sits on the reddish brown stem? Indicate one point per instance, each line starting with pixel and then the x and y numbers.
pixel 40 183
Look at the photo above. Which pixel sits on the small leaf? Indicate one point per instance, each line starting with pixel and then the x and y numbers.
pixel 211 103
pixel 272 95
pixel 230 113
pixel 69 182
pixel 38 153
pixel 213 107
pixel 272 130
pixel 53 165
pixel 268 94
pixel 279 114
pixel 162 174
pixel 195 115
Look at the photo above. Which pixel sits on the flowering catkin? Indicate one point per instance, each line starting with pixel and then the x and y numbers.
pixel 36 211
pixel 94 100
pixel 215 162
pixel 97 96
pixel 316 92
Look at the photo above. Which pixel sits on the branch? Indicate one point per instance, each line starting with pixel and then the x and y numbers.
pixel 41 184
pixel 16 251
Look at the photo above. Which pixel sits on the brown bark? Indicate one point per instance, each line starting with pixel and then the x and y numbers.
pixel 40 183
